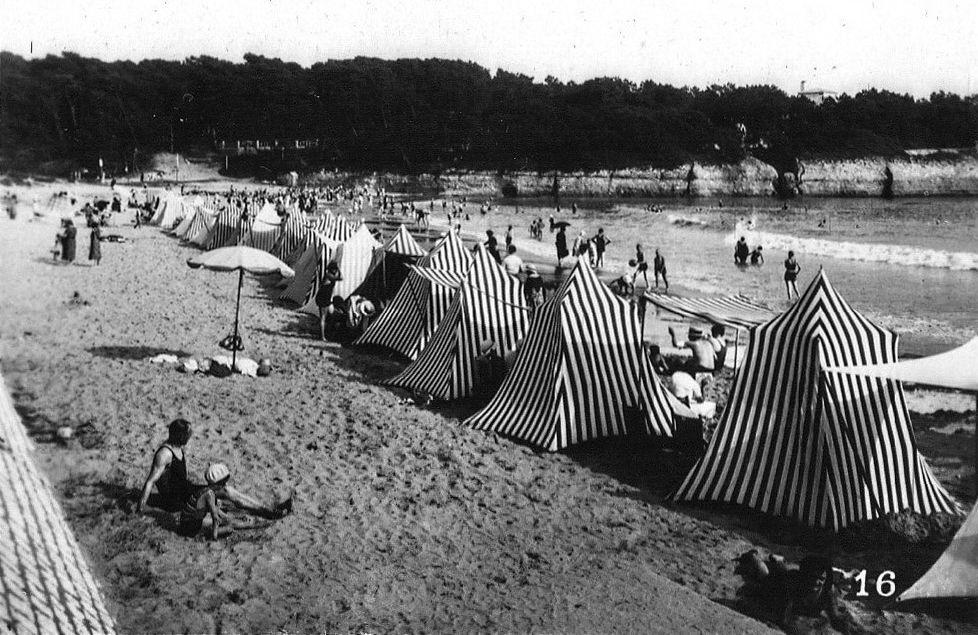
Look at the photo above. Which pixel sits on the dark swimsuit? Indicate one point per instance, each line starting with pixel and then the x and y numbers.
pixel 174 486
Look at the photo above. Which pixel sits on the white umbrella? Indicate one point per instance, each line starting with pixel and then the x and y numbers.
pixel 240 259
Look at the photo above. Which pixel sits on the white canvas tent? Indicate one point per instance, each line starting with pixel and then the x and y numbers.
pixel 955 574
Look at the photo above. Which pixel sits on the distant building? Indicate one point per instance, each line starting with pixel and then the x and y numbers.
pixel 817 95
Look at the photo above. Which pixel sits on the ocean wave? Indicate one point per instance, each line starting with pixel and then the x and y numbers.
pixel 866 252
pixel 686 221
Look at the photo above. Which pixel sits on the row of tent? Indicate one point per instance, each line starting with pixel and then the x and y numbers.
pixel 824 448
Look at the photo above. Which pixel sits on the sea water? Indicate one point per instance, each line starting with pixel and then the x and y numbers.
pixel 910 265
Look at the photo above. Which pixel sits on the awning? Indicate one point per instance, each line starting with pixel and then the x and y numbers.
pixel 735 311
pixel 957 368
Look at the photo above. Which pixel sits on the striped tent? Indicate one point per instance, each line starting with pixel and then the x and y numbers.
pixel 169 210
pixel 202 225
pixel 581 373
pixel 389 267
pixel 320 250
pixel 415 312
pixel 190 212
pixel 824 449
pixel 334 227
pixel 353 257
pixel 227 229
pixel 294 234
pixel 488 305
pixel 261 235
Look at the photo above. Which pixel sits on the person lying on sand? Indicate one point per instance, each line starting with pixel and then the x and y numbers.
pixel 168 474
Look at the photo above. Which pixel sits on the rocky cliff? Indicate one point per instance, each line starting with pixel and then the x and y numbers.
pixel 955 176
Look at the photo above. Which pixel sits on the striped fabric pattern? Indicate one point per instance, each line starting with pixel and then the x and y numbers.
pixel 439 277
pixel 353 257
pixel 735 311
pixel 294 232
pixel 168 211
pixel 402 242
pixel 227 230
pixel 581 373
pixel 334 227
pixel 183 226
pixel 824 449
pixel 200 228
pixel 319 251
pixel 261 235
pixel 489 305
pixel 415 312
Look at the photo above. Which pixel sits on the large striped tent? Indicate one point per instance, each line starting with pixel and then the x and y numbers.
pixel 320 251
pixel 418 308
pixel 202 225
pixel 389 267
pixel 227 229
pixel 294 234
pixel 261 234
pixel 190 212
pixel 824 449
pixel 334 227
pixel 488 305
pixel 169 210
pixel 580 374
pixel 353 257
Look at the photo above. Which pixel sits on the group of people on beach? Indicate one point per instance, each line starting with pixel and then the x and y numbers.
pixel 198 505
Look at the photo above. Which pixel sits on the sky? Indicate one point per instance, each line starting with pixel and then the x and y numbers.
pixel 905 46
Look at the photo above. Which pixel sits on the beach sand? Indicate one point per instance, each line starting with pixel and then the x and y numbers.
pixel 405 521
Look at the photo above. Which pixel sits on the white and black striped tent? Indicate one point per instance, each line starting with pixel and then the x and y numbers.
pixel 201 226
pixel 334 227
pixel 415 312
pixel 190 208
pixel 261 234
pixel 294 233
pixel 488 305
pixel 580 374
pixel 824 449
pixel 389 267
pixel 227 229
pixel 353 258
pixel 320 250
pixel 169 210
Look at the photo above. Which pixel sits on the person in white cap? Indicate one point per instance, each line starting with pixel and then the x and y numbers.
pixel 204 503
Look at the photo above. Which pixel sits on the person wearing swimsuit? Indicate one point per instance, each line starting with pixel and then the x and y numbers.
pixel 169 470
pixel 168 475
pixel 791 270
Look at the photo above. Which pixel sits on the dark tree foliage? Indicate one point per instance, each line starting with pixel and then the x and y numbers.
pixel 413 115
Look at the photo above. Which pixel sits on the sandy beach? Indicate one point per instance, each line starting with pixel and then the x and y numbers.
pixel 405 521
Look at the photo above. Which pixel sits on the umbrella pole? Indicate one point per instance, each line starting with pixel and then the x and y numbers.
pixel 237 312
pixel 976 442
pixel 736 346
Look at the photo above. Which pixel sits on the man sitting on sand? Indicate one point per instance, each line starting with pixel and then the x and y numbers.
pixel 704 358
pixel 168 474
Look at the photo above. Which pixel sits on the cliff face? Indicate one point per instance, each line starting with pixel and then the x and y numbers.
pixel 751 177
pixel 910 177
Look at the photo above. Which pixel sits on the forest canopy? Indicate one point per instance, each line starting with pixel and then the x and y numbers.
pixel 413 115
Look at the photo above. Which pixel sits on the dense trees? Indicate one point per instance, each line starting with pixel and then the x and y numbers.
pixel 427 115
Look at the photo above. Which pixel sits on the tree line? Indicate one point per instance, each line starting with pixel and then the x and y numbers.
pixel 413 115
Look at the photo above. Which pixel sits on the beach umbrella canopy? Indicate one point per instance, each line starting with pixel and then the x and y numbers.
pixel 240 259
pixel 562 223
